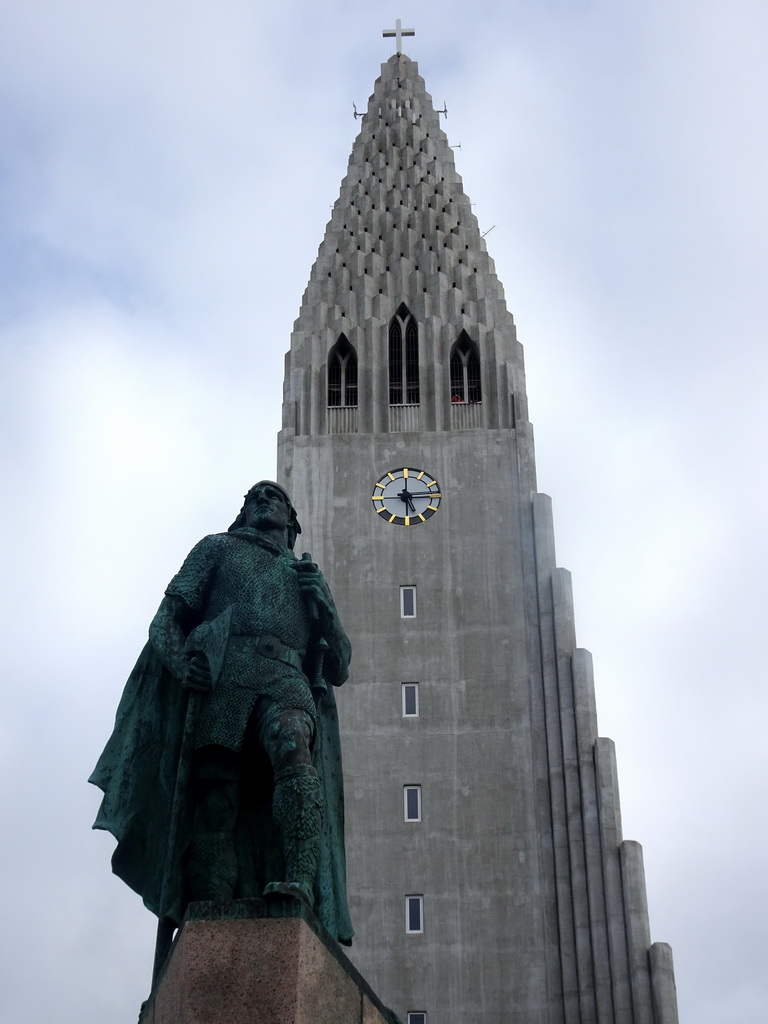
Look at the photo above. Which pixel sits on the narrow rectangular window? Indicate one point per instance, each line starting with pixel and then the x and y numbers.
pixel 412 803
pixel 411 363
pixel 350 382
pixel 474 394
pixel 417 1017
pixel 334 381
pixel 414 914
pixel 410 700
pixel 395 364
pixel 407 602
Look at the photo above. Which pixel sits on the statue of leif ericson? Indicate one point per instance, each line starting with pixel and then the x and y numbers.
pixel 222 779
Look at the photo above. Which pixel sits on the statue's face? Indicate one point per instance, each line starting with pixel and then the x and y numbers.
pixel 267 509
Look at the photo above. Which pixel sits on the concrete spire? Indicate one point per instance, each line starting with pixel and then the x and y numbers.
pixel 402 213
pixel 403 231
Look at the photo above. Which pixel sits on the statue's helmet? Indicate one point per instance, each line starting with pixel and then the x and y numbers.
pixel 294 529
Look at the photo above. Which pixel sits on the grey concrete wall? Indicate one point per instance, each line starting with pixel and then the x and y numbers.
pixel 475 855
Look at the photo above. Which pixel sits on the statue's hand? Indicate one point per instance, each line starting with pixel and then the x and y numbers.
pixel 322 612
pixel 315 592
pixel 198 675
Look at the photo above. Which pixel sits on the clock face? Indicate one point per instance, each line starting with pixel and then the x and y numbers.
pixel 405 497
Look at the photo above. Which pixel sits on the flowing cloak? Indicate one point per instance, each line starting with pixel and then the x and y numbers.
pixel 137 773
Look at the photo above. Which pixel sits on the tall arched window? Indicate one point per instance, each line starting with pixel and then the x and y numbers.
pixel 403 359
pixel 342 374
pixel 465 371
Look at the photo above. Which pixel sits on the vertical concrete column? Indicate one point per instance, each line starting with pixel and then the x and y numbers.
pixel 584 695
pixel 586 732
pixel 380 377
pixel 430 342
pixel 310 385
pixel 562 600
pixel 364 349
pixel 663 984
pixel 320 398
pixel 610 827
pixel 441 347
pixel 526 463
pixel 638 930
pixel 495 384
pixel 522 454
pixel 305 394
pixel 545 564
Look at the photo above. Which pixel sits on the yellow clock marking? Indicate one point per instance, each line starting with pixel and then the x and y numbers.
pixel 392 519
pixel 377 497
pixel 405 473
pixel 382 486
pixel 421 517
pixel 432 508
pixel 433 484
pixel 421 474
pixel 407 520
pixel 391 476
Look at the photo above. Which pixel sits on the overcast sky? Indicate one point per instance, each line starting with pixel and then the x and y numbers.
pixel 166 174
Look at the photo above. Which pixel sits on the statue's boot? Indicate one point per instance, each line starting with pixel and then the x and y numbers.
pixel 212 866
pixel 297 808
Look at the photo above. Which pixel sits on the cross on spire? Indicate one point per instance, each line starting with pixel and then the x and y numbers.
pixel 398 32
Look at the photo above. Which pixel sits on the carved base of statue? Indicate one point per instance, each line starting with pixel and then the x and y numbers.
pixel 271 961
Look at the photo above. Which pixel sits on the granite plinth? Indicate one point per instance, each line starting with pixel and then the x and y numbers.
pixel 259 962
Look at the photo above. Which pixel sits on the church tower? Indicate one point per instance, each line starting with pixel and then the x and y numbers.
pixel 489 881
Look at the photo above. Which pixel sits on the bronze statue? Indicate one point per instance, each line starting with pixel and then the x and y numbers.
pixel 222 778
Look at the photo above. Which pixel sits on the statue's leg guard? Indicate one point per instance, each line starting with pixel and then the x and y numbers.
pixel 297 808
pixel 212 866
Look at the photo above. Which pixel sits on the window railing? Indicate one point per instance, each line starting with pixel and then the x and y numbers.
pixel 342 419
pixel 404 417
pixel 466 415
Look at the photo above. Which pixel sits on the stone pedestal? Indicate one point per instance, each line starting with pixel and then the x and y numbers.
pixel 259 962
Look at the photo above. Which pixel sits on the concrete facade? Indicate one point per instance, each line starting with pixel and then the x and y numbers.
pixel 534 907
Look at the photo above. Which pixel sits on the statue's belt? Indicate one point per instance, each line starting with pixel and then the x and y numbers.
pixel 268 647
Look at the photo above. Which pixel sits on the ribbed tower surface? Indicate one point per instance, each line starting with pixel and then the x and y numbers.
pixel 402 224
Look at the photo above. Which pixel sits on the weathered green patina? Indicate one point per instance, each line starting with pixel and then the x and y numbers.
pixel 222 778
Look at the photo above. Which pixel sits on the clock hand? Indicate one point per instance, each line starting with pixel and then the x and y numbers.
pixel 405 495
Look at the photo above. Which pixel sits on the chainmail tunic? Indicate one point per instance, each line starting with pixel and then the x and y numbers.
pixel 259 582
